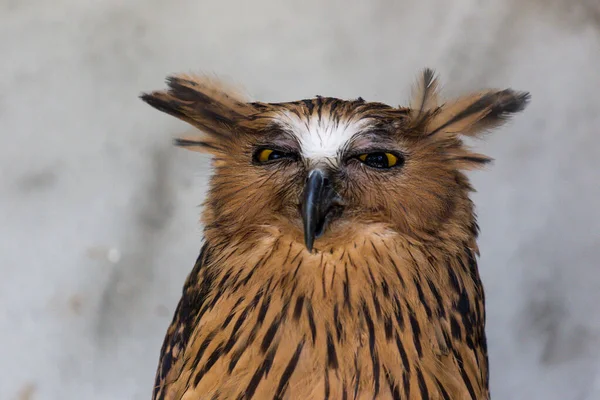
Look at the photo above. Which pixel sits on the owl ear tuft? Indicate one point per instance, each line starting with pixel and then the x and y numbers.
pixel 476 113
pixel 467 116
pixel 424 97
pixel 206 103
pixel 471 116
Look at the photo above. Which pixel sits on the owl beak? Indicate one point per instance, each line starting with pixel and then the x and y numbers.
pixel 319 199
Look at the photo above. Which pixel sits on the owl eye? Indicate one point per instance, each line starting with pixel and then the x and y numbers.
pixel 379 160
pixel 266 155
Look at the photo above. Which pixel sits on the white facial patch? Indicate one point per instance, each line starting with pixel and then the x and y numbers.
pixel 321 138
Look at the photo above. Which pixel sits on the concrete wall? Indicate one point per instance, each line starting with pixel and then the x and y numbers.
pixel 98 213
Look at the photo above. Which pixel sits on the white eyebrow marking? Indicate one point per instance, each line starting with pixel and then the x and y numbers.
pixel 321 138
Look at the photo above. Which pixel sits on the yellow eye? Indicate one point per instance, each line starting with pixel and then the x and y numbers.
pixel 379 160
pixel 392 159
pixel 264 154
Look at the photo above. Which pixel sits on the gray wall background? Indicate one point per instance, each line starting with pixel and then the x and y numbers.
pixel 99 214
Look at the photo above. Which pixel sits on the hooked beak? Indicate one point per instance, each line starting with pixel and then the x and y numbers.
pixel 319 199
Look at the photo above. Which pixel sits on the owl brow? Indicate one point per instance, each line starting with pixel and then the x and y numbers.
pixel 278 134
pixel 374 137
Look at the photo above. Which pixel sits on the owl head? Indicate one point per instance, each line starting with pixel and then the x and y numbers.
pixel 324 170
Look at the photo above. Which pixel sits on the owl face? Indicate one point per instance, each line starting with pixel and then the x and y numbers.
pixel 322 168
pixel 326 166
pixel 328 147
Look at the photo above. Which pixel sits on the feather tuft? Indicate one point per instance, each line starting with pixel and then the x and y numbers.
pixel 204 102
pixel 424 95
pixel 476 113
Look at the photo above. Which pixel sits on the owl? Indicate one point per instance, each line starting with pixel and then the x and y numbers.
pixel 339 258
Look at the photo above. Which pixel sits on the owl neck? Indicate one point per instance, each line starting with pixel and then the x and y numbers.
pixel 432 274
pixel 374 255
pixel 381 288
pixel 413 263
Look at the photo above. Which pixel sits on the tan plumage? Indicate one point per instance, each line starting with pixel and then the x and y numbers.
pixel 424 97
pixel 327 271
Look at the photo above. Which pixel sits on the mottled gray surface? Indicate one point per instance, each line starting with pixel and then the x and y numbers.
pixel 98 213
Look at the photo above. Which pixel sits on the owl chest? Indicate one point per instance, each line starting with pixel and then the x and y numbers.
pixel 347 325
pixel 300 346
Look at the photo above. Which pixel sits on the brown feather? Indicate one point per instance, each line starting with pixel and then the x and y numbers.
pixel 476 113
pixel 204 102
pixel 424 95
